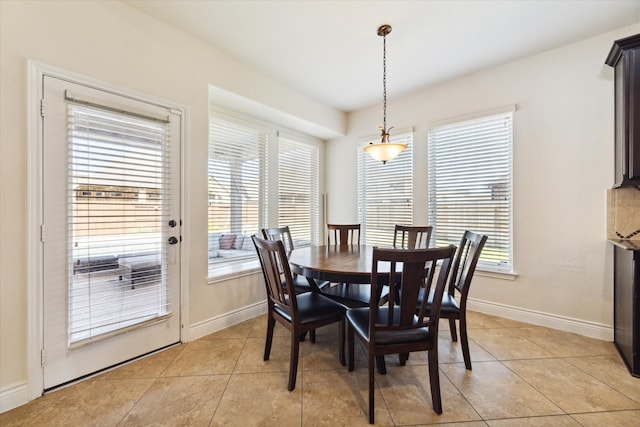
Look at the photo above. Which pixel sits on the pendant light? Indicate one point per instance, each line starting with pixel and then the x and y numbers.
pixel 384 150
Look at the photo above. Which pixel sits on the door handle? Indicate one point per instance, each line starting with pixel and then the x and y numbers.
pixel 173 240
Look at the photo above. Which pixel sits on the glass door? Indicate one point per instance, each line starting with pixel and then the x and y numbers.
pixel 111 229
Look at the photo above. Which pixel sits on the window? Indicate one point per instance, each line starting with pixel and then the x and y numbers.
pixel 470 185
pixel 237 174
pixel 250 189
pixel 385 192
pixel 298 188
pixel 113 154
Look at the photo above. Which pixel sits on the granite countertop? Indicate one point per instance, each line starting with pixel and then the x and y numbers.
pixel 630 245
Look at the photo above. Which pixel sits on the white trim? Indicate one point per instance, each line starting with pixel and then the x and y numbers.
pixel 36 70
pixel 233 270
pixel 218 323
pixel 35 374
pixel 185 226
pixel 13 396
pixel 549 320
pixel 496 274
pixel 511 108
pixel 366 140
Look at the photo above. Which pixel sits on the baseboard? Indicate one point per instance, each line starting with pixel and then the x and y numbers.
pixel 218 323
pixel 13 396
pixel 539 318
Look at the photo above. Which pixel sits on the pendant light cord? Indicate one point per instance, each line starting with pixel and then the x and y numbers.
pixel 384 82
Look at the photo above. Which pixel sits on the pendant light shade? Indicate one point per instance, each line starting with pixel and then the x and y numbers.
pixel 384 150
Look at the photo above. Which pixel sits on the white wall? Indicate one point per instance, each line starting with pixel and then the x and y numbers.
pixel 562 167
pixel 112 42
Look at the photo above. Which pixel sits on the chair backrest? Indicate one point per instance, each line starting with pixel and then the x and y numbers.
pixel 277 275
pixel 343 234
pixel 279 233
pixel 404 288
pixel 465 263
pixel 412 236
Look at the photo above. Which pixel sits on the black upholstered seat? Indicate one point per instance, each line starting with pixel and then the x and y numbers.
pixel 298 313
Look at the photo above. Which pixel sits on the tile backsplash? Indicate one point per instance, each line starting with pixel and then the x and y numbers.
pixel 623 213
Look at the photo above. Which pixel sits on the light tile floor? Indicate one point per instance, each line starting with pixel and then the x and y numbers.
pixel 522 375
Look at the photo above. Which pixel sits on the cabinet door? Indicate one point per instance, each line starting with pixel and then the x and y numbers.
pixel 632 65
pixel 626 309
pixel 621 150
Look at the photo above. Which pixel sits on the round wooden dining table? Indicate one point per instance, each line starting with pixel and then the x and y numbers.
pixel 334 263
pixel 341 264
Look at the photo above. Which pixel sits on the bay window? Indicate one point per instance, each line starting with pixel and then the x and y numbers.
pixel 250 160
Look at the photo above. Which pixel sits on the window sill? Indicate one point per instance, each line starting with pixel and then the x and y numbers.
pixel 220 273
pixel 496 274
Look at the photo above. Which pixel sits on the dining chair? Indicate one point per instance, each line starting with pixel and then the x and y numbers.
pixel 462 270
pixel 396 327
pixel 412 236
pixel 300 283
pixel 350 294
pixel 299 313
pixel 343 234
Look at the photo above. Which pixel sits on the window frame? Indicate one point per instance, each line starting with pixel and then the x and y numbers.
pixel 270 176
pixel 225 262
pixel 504 232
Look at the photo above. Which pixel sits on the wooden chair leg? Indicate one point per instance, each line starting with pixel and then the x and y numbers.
pixel 434 380
pixel 341 342
pixel 271 323
pixel 402 358
pixel 351 347
pixel 371 387
pixel 382 366
pixel 312 336
pixel 464 340
pixel 293 360
pixel 452 328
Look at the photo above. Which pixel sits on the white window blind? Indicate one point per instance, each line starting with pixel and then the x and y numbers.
pixel 470 184
pixel 298 188
pixel 118 190
pixel 385 192
pixel 237 187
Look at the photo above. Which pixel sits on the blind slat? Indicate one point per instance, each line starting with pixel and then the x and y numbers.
pixel 237 170
pixel 118 193
pixel 298 188
pixel 470 184
pixel 385 193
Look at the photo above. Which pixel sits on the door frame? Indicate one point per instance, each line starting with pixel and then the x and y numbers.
pixel 35 280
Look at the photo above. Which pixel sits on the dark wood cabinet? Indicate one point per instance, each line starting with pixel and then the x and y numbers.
pixel 624 57
pixel 626 312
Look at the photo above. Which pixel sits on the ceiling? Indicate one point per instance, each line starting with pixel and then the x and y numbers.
pixel 330 50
